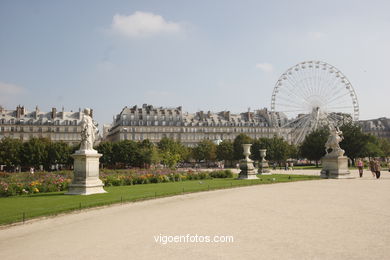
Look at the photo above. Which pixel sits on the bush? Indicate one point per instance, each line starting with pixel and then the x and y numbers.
pixel 222 174
pixel 26 183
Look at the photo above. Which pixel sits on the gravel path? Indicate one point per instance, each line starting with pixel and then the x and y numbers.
pixel 326 219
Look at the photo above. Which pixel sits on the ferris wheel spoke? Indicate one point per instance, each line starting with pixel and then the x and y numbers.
pixel 297 92
pixel 295 120
pixel 295 82
pixel 336 98
pixel 303 127
pixel 292 93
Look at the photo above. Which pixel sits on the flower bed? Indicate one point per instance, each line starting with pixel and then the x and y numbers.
pixel 25 183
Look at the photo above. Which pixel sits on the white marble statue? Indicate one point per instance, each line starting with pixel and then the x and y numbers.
pixel 333 141
pixel 88 131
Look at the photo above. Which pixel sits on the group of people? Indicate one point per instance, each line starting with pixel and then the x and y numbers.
pixel 375 167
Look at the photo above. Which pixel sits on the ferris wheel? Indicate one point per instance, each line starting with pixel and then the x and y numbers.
pixel 310 95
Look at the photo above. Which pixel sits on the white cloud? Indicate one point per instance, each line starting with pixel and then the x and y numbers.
pixel 9 93
pixel 10 89
pixel 265 67
pixel 143 24
pixel 316 35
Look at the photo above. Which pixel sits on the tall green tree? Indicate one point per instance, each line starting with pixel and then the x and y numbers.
pixel 261 143
pixel 385 147
pixel 176 149
pixel 10 151
pixel 313 147
pixel 372 147
pixel 35 153
pixel 105 148
pixel 354 141
pixel 237 145
pixel 58 153
pixel 124 153
pixel 279 150
pixel 205 150
pixel 225 151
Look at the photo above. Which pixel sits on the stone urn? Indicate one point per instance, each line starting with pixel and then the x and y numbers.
pixel 263 164
pixel 246 165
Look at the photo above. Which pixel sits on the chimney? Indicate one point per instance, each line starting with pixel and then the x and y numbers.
pixel 53 112
pixel 36 112
pixel 18 110
pixel 91 113
pixel 79 113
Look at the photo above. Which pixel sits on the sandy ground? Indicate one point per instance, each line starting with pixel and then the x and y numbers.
pixel 327 219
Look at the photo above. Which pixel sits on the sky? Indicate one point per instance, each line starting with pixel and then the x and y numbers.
pixel 202 55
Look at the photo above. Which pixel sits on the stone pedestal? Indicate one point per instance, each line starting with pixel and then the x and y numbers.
pixel 248 171
pixel 335 167
pixel 264 168
pixel 263 164
pixel 86 174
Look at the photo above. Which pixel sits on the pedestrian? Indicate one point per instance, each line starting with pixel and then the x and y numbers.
pixel 360 167
pixel 372 167
pixel 377 168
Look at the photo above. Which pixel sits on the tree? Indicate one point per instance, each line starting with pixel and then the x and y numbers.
pixel 237 145
pixel 205 150
pixel 278 150
pixel 385 147
pixel 124 153
pixel 174 148
pixel 313 147
pixel 10 150
pixel 35 153
pixel 105 148
pixel 169 159
pixel 261 143
pixel 58 153
pixel 225 151
pixel 354 142
pixel 372 147
pixel 146 154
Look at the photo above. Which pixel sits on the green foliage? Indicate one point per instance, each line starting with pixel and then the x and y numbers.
pixel 221 174
pixel 313 147
pixel 279 150
pixel 169 159
pixel 172 152
pixel 372 147
pixel 224 151
pixel 261 143
pixel 385 147
pixel 124 152
pixel 10 150
pixel 237 145
pixel 105 148
pixel 355 141
pixel 205 150
pixel 35 152
pixel 58 153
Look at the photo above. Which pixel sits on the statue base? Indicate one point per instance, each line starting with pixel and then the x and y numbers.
pixel 335 167
pixel 248 171
pixel 86 174
pixel 264 168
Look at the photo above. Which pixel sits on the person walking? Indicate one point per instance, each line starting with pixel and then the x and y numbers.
pixel 372 167
pixel 377 168
pixel 360 166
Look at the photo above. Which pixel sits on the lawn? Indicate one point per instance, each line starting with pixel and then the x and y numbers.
pixel 20 208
